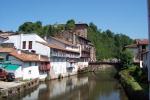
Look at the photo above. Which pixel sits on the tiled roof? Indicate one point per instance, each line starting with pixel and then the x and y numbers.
pixel 24 56
pixel 54 46
pixel 81 25
pixel 142 42
pixel 5 35
pixel 29 57
pixel 6 50
pixel 63 41
pixel 131 46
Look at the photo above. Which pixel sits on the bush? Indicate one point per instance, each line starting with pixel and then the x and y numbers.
pixel 126 59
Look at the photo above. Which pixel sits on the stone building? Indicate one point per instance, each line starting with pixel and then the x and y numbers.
pixel 78 36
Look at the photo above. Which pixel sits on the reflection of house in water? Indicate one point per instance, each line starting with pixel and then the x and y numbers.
pixel 57 88
pixel 60 87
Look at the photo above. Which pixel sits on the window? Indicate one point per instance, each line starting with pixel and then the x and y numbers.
pixel 30 44
pixel 24 45
pixel 29 72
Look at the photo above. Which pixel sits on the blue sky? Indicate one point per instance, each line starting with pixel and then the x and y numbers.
pixel 120 16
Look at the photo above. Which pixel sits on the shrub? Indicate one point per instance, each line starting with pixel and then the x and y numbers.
pixel 126 59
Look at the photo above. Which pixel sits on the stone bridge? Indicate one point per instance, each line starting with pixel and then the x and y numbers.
pixel 102 65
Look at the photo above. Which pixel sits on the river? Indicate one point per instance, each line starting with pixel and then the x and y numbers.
pixel 100 85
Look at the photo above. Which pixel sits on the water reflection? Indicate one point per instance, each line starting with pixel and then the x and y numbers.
pixel 92 86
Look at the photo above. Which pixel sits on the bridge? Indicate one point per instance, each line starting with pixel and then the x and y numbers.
pixel 104 63
pixel 93 66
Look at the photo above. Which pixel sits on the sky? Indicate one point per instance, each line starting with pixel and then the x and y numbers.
pixel 120 16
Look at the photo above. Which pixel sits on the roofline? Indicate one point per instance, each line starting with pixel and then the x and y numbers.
pixel 63 41
pixel 83 38
pixel 27 60
pixel 57 48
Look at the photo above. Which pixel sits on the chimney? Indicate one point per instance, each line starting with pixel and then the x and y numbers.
pixel 39 56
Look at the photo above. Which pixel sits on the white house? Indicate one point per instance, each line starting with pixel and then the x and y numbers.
pixel 28 42
pixel 32 65
pixel 63 56
pixel 83 57
pixel 63 62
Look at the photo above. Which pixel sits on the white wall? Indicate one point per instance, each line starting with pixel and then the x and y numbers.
pixel 18 73
pixel 28 71
pixel 69 47
pixel 39 48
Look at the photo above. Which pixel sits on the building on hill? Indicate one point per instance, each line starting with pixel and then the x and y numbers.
pixel 139 49
pixel 78 36
pixel 81 30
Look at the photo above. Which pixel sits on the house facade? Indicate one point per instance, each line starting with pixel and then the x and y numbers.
pixel 78 36
pixel 63 56
pixel 64 62
pixel 139 50
pixel 32 65
pixel 28 42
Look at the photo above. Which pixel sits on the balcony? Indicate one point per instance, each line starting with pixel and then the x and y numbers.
pixel 85 55
pixel 65 54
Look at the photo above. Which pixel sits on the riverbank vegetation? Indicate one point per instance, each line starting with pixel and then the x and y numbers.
pixel 133 78
pixel 134 81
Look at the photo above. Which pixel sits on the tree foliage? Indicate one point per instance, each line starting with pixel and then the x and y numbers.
pixel 36 27
pixel 108 44
pixel 70 24
pixel 126 58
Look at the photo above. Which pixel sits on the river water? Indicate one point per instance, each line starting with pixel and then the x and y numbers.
pixel 100 85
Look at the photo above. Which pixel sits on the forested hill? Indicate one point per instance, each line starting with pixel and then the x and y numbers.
pixel 107 43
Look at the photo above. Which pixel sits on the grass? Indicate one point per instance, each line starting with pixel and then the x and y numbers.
pixel 129 81
pixel 135 77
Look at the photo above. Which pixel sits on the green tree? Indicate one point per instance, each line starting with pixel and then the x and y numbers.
pixel 30 27
pixel 70 24
pixel 126 59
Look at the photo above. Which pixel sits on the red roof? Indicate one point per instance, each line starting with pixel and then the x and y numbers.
pixel 142 42
pixel 54 46
pixel 24 56
pixel 29 57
